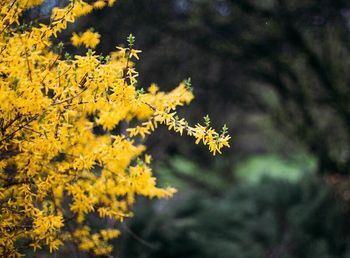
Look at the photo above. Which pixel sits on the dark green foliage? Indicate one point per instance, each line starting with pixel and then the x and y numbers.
pixel 270 219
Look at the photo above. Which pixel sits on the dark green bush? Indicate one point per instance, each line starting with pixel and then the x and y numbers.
pixel 269 219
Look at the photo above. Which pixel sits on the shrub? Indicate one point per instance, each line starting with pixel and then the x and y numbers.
pixel 54 168
pixel 272 218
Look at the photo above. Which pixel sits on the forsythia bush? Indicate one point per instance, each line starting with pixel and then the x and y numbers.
pixel 54 170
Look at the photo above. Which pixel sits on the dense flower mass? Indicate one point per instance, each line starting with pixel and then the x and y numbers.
pixel 54 168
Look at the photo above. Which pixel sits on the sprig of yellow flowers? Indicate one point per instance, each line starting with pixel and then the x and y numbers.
pixel 54 168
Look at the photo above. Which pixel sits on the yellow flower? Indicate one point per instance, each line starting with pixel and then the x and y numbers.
pixel 99 4
pixel 76 40
pixel 148 159
pixel 134 53
pixel 89 39
pixel 153 89
pixel 81 8
pixel 111 2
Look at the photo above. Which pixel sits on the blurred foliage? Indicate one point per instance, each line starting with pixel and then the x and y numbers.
pixel 273 218
pixel 255 168
pixel 185 174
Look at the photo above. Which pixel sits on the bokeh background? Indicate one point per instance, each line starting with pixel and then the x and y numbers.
pixel 277 72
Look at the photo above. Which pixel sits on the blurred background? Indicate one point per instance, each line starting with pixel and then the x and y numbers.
pixel 277 72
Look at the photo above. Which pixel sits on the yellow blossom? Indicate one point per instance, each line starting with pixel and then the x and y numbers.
pixel 99 4
pixel 75 39
pixel 89 39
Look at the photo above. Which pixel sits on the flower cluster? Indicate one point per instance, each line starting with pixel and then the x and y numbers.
pixel 89 39
pixel 55 170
